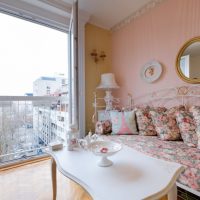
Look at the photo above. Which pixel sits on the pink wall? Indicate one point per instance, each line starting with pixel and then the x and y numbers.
pixel 158 34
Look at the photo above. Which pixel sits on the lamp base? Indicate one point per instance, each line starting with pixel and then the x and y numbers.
pixel 109 99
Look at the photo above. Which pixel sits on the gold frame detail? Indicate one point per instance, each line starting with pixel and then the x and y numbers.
pixel 178 70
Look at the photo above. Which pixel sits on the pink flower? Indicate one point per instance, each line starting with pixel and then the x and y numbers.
pixel 185 127
pixel 186 120
pixel 104 150
pixel 150 127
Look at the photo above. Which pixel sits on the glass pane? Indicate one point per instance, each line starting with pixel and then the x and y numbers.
pixel 33 88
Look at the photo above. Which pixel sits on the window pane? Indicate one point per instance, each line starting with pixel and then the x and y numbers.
pixel 29 51
pixel 33 87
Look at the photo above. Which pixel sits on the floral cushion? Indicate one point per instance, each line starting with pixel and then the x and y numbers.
pixel 123 122
pixel 196 113
pixel 187 128
pixel 174 151
pixel 144 122
pixel 174 110
pixel 103 127
pixel 165 125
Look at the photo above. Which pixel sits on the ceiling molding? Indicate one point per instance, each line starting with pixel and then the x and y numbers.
pixel 136 14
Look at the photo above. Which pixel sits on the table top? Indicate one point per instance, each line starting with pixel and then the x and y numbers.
pixel 133 176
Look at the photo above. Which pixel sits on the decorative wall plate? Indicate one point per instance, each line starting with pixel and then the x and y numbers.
pixel 151 71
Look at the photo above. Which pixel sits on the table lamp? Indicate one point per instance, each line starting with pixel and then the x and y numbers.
pixel 108 83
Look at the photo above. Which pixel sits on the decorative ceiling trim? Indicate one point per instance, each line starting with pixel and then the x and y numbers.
pixel 152 4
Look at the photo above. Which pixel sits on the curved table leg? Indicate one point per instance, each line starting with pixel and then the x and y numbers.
pixel 54 178
pixel 172 193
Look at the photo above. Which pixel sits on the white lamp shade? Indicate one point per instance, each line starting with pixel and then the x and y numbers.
pixel 108 82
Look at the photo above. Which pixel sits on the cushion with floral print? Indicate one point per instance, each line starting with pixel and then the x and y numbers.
pixel 174 110
pixel 144 120
pixel 187 128
pixel 123 122
pixel 196 113
pixel 103 127
pixel 165 124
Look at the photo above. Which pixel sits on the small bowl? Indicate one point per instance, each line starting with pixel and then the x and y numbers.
pixel 104 149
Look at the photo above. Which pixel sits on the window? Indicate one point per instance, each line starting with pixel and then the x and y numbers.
pixel 185 65
pixel 31 69
pixel 48 90
pixel 63 82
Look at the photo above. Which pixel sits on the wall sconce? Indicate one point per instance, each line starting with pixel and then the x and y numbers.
pixel 97 56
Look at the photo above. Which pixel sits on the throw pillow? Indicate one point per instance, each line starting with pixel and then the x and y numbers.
pixel 123 122
pixel 174 110
pixel 196 113
pixel 144 120
pixel 187 128
pixel 103 127
pixel 165 125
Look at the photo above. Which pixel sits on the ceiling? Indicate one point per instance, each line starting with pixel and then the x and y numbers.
pixel 108 13
pixel 103 13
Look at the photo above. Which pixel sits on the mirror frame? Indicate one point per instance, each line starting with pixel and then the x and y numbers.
pixel 178 69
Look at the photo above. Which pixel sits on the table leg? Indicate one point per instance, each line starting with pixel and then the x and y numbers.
pixel 53 177
pixel 172 193
pixel 164 198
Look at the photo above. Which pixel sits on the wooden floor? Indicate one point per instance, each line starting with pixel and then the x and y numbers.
pixel 33 182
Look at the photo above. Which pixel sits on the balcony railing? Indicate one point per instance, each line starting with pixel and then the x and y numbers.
pixel 29 124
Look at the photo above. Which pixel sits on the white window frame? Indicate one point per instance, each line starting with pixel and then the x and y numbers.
pixel 79 114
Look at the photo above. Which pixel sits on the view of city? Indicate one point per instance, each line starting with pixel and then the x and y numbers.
pixel 33 88
pixel 27 124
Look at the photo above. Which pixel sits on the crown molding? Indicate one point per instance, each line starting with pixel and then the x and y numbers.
pixel 136 14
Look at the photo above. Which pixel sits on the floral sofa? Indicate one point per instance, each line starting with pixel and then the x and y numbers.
pixel 169 134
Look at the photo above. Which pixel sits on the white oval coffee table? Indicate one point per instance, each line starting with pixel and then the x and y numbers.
pixel 133 175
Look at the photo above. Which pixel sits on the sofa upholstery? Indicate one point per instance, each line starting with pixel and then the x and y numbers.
pixel 175 151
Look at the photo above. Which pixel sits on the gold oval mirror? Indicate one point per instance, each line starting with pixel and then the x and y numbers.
pixel 188 61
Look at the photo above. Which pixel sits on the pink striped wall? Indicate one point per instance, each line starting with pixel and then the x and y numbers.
pixel 157 34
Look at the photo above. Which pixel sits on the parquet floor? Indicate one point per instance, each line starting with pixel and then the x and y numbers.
pixel 33 182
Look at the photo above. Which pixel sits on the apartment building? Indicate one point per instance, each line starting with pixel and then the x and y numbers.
pixel 51 122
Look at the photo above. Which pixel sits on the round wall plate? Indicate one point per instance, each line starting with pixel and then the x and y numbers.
pixel 151 71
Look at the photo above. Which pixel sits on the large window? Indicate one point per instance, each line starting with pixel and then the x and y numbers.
pixel 39 77
pixel 34 98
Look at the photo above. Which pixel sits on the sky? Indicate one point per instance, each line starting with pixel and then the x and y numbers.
pixel 27 52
